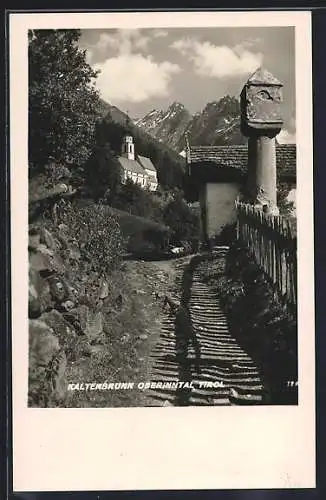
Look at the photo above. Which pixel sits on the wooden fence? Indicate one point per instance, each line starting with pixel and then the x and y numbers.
pixel 272 242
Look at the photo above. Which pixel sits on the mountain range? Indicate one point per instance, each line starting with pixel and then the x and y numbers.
pixel 161 135
pixel 217 124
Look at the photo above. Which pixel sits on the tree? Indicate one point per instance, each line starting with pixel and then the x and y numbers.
pixel 102 173
pixel 182 221
pixel 134 199
pixel 63 102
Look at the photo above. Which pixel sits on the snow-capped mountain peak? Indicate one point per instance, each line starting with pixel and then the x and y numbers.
pixel 217 124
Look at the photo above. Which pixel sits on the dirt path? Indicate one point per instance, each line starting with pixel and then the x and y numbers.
pixel 214 370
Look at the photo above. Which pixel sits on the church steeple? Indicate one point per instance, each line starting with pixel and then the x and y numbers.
pixel 128 147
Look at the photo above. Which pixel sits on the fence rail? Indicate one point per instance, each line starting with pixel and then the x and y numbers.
pixel 272 241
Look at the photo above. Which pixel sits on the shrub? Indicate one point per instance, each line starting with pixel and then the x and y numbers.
pixel 227 235
pixel 97 233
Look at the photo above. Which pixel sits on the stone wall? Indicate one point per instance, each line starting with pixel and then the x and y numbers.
pixel 65 311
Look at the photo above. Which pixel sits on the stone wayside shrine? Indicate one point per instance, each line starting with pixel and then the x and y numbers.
pixel 219 175
pixel 261 121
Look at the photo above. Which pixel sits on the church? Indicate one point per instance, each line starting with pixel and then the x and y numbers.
pixel 137 168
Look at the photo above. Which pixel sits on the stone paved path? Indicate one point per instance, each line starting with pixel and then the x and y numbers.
pixel 227 373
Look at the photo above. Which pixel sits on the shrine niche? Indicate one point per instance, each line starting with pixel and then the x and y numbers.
pixel 261 101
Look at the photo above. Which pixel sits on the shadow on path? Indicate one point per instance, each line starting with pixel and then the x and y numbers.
pixel 196 348
pixel 185 335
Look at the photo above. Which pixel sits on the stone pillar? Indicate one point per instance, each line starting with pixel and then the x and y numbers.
pixel 251 169
pixel 266 168
pixel 261 121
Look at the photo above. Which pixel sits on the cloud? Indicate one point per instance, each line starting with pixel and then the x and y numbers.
pixel 218 61
pixel 286 137
pixel 134 77
pixel 126 74
pixel 124 41
pixel 249 43
pixel 160 33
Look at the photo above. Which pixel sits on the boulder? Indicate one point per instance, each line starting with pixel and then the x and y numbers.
pixel 63 330
pixel 42 343
pixel 34 307
pixel 33 240
pixel 104 290
pixel 45 259
pixel 39 261
pixel 39 297
pixel 48 239
pixel 59 289
pixel 45 250
pixel 55 259
pixel 47 365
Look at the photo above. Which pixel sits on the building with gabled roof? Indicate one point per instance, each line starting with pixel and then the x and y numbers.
pixel 150 170
pixel 218 175
pixel 137 168
pixel 235 157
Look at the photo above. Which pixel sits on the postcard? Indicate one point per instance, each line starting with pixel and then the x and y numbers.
pixel 162 250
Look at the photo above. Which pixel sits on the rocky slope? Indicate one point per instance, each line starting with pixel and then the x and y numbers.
pixel 89 312
pixel 217 124
pixel 167 126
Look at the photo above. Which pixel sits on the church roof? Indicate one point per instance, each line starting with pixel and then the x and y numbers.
pixel 235 157
pixel 146 163
pixel 131 165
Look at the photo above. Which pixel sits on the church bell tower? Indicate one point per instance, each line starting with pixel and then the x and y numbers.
pixel 128 147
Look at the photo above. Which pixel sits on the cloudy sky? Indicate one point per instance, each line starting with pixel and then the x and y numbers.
pixel 150 68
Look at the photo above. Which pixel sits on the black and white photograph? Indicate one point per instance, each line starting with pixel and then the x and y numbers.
pixel 162 255
pixel 162 217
